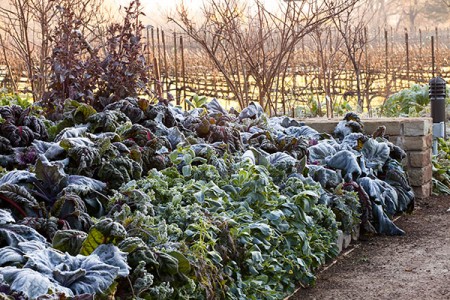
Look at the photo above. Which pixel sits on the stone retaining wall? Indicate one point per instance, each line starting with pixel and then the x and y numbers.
pixel 411 134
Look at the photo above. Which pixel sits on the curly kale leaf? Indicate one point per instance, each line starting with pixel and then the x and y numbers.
pixel 19 127
pixel 77 112
pixel 138 134
pixel 129 106
pixel 5 146
pixel 107 121
pixel 84 160
pixel 19 136
pixel 51 179
pixel 72 209
pixel 19 201
pixel 346 208
pixel 46 226
pixel 37 126
pixel 161 114
pixel 228 135
pixel 69 241
pixel 119 170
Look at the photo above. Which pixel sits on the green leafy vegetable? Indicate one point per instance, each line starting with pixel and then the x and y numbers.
pixel 69 241
pixel 48 270
pixel 104 232
pixel 12 234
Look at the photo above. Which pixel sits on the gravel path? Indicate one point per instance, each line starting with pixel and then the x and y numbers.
pixel 414 266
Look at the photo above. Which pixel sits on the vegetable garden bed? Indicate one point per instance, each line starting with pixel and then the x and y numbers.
pixel 151 202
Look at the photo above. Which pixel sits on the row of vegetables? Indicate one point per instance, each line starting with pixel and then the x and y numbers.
pixel 151 202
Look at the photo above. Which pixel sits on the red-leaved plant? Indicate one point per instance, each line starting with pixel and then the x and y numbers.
pixel 79 72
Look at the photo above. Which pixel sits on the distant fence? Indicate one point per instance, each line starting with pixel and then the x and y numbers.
pixel 13 79
pixel 392 60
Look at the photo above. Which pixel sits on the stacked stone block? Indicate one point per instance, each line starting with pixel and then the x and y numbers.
pixel 411 134
pixel 417 141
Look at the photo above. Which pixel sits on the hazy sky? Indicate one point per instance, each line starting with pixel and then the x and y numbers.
pixel 158 10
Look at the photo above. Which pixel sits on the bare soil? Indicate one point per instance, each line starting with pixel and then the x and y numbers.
pixel 414 266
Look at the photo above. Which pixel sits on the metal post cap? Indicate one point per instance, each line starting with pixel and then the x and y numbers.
pixel 437 87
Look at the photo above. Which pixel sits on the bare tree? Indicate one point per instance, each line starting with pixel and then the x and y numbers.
pixel 351 26
pixel 408 13
pixel 27 27
pixel 329 59
pixel 17 19
pixel 6 60
pixel 249 42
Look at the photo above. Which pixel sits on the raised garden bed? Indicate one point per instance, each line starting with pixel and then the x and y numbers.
pixel 173 204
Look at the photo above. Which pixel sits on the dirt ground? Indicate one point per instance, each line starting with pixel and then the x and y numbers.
pixel 414 266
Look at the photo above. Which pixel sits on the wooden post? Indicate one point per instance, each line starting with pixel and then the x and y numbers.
pixel 156 65
pixel 166 75
pixel 319 78
pixel 153 42
pixel 294 82
pixel 366 58
pixel 148 57
pixel 158 88
pixel 432 57
pixel 176 67
pixel 328 81
pixel 283 91
pixel 437 48
pixel 407 54
pixel 158 46
pixel 183 72
pixel 420 43
pixel 386 62
pixel 393 71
